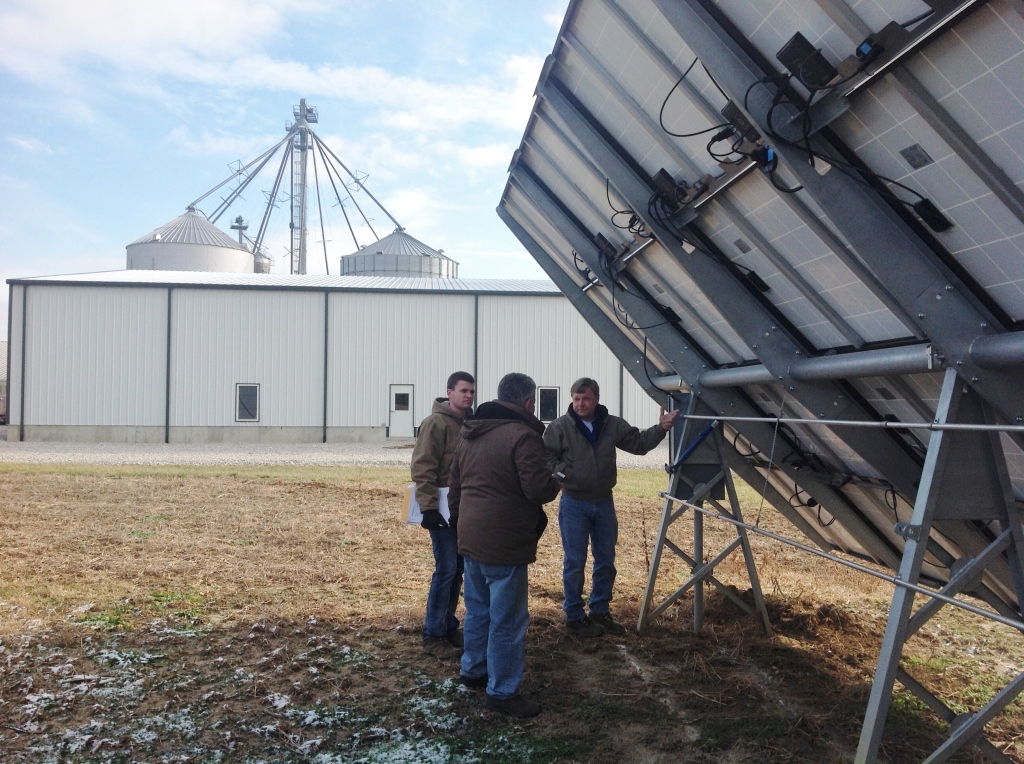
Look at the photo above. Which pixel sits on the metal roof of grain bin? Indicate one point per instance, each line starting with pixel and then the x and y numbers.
pixel 399 254
pixel 190 242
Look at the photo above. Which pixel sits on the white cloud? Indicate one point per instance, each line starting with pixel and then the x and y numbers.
pixel 221 45
pixel 30 145
pixel 419 210
pixel 219 144
pixel 554 19
pixel 39 37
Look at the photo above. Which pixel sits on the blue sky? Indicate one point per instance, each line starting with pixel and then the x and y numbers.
pixel 114 115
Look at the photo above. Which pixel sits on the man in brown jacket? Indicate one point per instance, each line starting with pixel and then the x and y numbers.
pixel 431 471
pixel 500 480
pixel 581 444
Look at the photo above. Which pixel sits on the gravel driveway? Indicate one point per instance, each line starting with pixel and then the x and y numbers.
pixel 396 453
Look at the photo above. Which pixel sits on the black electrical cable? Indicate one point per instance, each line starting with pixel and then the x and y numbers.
pixel 646 372
pixel 634 225
pixel 916 19
pixel 714 81
pixel 725 262
pixel 608 196
pixel 778 185
pixel 661 113
pixel 892 497
pixel 855 173
pixel 616 307
pixel 824 525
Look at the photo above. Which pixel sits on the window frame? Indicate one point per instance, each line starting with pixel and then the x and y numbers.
pixel 558 396
pixel 238 401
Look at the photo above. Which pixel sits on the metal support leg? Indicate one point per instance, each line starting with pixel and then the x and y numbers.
pixel 701 572
pixel 973 485
pixel 698 555
pixel 666 517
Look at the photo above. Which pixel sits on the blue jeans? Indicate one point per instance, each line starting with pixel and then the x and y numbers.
pixel 497 614
pixel 445 584
pixel 582 523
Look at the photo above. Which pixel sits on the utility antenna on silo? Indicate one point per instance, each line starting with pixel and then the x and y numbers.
pixel 241 226
pixel 302 144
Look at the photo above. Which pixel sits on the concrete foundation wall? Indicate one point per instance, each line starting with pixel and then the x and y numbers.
pixel 360 435
pixel 57 433
pixel 246 434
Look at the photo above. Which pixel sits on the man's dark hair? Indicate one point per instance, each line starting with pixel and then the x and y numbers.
pixel 516 388
pixel 585 383
pixel 460 376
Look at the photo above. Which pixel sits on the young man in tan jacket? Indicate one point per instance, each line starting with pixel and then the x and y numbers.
pixel 431 471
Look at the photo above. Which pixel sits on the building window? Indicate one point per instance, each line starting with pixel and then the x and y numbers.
pixel 401 401
pixel 247 402
pixel 547 404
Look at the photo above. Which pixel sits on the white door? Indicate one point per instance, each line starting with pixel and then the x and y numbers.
pixel 400 416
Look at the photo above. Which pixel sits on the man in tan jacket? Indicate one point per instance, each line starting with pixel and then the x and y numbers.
pixel 581 445
pixel 431 471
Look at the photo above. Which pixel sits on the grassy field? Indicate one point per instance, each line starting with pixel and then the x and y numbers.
pixel 272 614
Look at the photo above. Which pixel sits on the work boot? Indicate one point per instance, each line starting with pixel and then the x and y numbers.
pixel 473 682
pixel 454 637
pixel 516 706
pixel 606 622
pixel 441 648
pixel 584 628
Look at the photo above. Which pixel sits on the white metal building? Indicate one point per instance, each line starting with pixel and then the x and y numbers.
pixel 167 356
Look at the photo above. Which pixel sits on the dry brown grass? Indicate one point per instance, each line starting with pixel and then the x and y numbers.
pixel 295 543
pixel 224 548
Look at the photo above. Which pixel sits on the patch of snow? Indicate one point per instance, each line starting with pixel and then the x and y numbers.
pixel 278 701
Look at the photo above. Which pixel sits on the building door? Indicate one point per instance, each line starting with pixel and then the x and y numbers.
pixel 400 415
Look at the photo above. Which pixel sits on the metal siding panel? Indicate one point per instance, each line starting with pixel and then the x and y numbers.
pixel 91 359
pixel 376 340
pixel 223 337
pixel 638 408
pixel 545 338
pixel 14 368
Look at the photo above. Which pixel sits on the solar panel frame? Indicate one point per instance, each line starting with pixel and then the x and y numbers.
pixel 616 60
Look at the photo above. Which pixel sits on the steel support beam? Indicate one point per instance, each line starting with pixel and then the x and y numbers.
pixel 749 318
pixel 999 351
pixel 914 359
pixel 934 114
pixel 944 497
pixel 690 363
pixel 943 307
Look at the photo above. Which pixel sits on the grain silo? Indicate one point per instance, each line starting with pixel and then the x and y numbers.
pixel 399 254
pixel 190 242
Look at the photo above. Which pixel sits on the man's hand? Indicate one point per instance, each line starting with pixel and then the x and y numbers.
pixel 432 519
pixel 666 418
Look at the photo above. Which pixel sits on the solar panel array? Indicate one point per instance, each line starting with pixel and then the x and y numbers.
pixel 694 254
